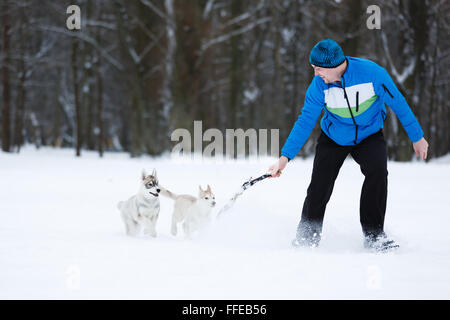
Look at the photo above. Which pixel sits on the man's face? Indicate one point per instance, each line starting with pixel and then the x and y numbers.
pixel 328 75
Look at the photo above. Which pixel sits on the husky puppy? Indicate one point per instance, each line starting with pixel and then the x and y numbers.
pixel 193 212
pixel 142 209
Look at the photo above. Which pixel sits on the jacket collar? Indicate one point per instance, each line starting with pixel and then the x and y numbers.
pixel 346 74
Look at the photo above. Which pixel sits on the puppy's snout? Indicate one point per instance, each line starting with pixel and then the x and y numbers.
pixel 158 190
pixel 213 203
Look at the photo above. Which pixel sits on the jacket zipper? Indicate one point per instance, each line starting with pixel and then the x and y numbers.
pixel 386 89
pixel 350 110
pixel 357 101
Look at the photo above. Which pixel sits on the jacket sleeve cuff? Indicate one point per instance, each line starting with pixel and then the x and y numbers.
pixel 415 132
pixel 285 155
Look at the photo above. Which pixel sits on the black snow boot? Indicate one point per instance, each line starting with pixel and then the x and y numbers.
pixel 308 234
pixel 379 243
pixel 311 241
pixel 306 243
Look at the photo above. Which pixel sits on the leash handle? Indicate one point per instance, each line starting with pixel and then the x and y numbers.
pixel 251 182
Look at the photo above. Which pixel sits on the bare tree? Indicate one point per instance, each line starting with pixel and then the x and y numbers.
pixel 6 129
pixel 76 97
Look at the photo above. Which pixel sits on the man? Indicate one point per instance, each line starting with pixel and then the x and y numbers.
pixel 353 93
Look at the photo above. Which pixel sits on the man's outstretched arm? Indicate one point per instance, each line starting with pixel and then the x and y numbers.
pixel 395 100
pixel 314 101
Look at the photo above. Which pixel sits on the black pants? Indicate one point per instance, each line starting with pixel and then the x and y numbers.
pixel 371 155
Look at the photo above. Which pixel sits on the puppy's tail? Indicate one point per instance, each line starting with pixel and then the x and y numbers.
pixel 167 193
pixel 119 205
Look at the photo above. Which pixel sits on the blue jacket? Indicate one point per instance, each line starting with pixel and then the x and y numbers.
pixel 354 107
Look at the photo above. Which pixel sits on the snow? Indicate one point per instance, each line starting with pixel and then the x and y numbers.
pixel 61 236
pixel 207 10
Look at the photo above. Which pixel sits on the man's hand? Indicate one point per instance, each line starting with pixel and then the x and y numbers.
pixel 278 166
pixel 421 148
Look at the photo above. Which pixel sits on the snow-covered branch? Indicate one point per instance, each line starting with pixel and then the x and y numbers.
pixel 86 38
pixel 155 9
pixel 208 8
pixel 234 33
pixel 102 24
pixel 407 71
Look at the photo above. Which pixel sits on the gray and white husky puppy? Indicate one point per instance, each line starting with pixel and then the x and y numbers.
pixel 142 209
pixel 193 212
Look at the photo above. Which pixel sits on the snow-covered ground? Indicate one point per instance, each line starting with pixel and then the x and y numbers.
pixel 61 236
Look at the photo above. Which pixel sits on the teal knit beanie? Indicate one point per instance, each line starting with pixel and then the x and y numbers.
pixel 327 54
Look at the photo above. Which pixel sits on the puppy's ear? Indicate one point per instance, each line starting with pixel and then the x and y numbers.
pixel 200 189
pixel 208 189
pixel 154 173
pixel 143 174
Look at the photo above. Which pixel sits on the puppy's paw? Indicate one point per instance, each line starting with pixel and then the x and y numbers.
pixel 150 232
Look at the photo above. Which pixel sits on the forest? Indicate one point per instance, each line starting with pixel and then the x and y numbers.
pixel 136 70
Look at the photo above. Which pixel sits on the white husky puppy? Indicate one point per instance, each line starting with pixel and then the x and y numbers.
pixel 193 212
pixel 142 209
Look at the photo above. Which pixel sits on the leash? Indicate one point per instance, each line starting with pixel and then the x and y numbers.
pixel 251 182
pixel 247 184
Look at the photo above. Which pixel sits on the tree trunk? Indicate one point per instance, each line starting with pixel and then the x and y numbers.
pixel 6 132
pixel 167 95
pixel 236 75
pixel 78 141
pixel 99 130
pixel 99 108
pixel 21 92
pixel 20 109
